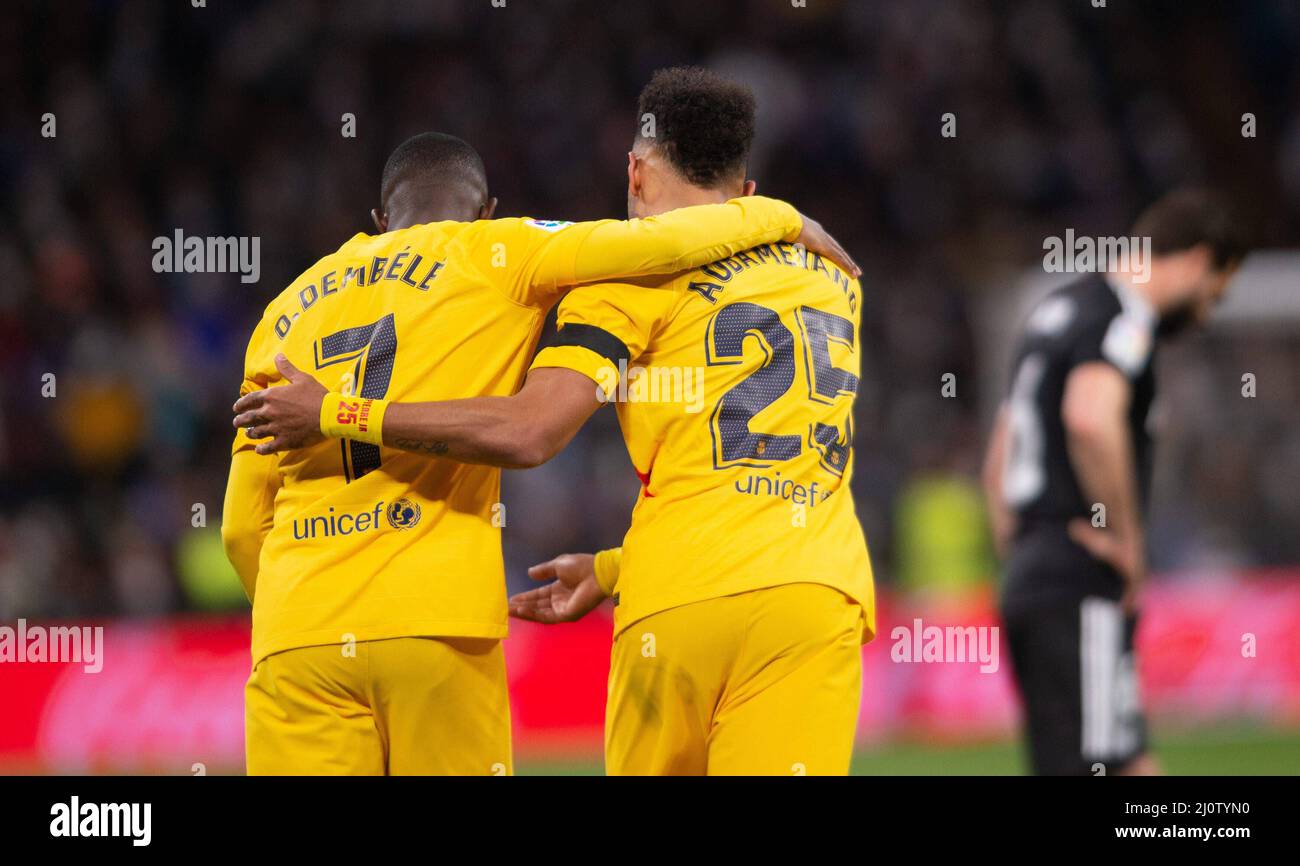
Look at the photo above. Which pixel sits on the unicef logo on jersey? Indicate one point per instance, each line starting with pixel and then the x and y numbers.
pixel 403 514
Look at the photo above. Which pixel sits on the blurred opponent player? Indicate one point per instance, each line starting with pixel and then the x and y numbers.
pixel 1073 435
pixel 376 575
pixel 744 592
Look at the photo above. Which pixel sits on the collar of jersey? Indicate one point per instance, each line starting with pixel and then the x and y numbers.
pixel 1130 299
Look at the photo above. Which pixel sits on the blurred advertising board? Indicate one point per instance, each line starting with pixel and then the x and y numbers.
pixel 168 694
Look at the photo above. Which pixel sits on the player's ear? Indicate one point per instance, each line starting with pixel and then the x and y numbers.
pixel 633 175
pixel 1203 256
pixel 751 186
pixel 489 208
pixel 381 220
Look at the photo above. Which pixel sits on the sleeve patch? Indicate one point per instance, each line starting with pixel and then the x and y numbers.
pixel 1127 344
pixel 1052 316
pixel 548 225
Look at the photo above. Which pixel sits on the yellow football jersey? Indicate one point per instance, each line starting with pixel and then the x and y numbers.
pixel 734 389
pixel 366 543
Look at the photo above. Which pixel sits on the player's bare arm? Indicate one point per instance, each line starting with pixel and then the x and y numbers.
pixel 1094 412
pixel 519 431
pixel 1002 520
pixel 523 430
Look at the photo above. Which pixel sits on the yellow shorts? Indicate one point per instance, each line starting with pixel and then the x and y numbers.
pixel 761 683
pixel 406 706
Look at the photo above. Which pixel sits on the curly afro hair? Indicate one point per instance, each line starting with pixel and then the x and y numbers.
pixel 703 123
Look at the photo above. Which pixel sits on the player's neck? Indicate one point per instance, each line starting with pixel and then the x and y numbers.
pixel 406 219
pixel 1149 289
pixel 413 206
pixel 679 195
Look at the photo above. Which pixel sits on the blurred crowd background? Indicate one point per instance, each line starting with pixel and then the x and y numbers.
pixel 225 120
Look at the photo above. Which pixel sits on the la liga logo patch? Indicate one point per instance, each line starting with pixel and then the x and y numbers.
pixel 548 225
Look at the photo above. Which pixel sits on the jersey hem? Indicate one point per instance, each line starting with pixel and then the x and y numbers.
pixel 625 622
pixel 419 628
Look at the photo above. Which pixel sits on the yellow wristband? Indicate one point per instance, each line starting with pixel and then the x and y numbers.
pixel 607 565
pixel 357 418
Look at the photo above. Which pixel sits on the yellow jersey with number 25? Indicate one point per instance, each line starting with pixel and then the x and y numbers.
pixel 734 384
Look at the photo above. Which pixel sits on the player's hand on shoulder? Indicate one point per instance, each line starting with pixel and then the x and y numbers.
pixel 817 240
pixel 289 415
pixel 571 595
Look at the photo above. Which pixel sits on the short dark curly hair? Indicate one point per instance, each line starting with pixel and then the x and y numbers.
pixel 433 158
pixel 1191 216
pixel 703 123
